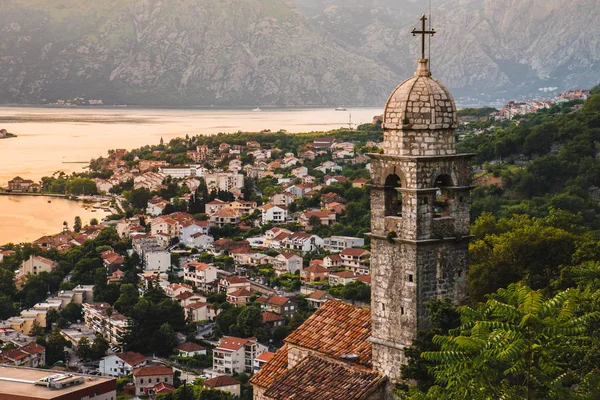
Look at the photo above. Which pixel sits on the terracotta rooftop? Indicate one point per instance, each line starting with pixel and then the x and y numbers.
pixel 152 371
pixel 316 378
pixel 241 293
pixel 318 295
pixel 336 329
pixel 163 388
pixel 131 358
pixel 265 357
pixel 196 305
pixel 316 268
pixel 273 369
pixel 352 252
pixel 278 300
pixel 190 347
pixel 364 278
pixel 343 274
pixel 220 381
pixel 271 317
pixel 233 343
pixel 33 348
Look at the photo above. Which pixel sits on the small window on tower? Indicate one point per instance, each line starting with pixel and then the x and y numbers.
pixel 410 278
pixel 402 310
pixel 459 273
pixel 392 198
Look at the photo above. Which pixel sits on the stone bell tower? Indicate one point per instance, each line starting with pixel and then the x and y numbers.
pixel 419 215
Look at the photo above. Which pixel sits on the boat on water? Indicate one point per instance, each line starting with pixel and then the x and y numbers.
pixel 340 109
pixel 256 109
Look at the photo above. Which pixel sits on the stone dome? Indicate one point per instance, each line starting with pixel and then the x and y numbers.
pixel 420 102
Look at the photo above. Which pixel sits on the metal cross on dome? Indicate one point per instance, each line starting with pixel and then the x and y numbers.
pixel 423 32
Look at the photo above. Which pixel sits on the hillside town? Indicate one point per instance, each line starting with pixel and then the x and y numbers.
pixel 240 231
pixel 513 108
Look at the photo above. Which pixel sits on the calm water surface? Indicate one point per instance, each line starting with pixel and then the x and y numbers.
pixel 27 218
pixel 60 139
pixel 52 139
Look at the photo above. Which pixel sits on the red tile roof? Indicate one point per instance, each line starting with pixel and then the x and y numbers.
pixel 233 343
pixel 343 274
pixel 318 295
pixel 265 357
pixel 152 371
pixel 364 278
pixel 163 388
pixel 196 305
pixel 190 347
pixel 273 369
pixel 316 268
pixel 336 329
pixel 33 348
pixel 220 381
pixel 131 358
pixel 352 252
pixel 271 317
pixel 240 293
pixel 316 378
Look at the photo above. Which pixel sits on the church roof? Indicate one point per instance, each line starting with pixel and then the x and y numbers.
pixel 420 102
pixel 273 369
pixel 317 378
pixel 336 329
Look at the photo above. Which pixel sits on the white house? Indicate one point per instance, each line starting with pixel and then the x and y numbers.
pixel 199 274
pixel 287 263
pixel 234 355
pixel 274 214
pixel 200 241
pixel 282 199
pixel 189 228
pixel 189 349
pixel 224 383
pixel 338 243
pixel 121 364
pixel 303 242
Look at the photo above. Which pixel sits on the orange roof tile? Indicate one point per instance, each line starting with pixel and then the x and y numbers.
pixel 316 378
pixel 265 357
pixel 190 347
pixel 233 343
pixel 220 381
pixel 273 369
pixel 336 329
pixel 271 317
pixel 278 300
pixel 131 358
pixel 152 371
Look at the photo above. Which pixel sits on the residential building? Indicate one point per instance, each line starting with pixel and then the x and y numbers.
pixel 324 143
pixel 200 311
pixel 282 199
pixel 271 320
pixel 152 254
pixel 279 305
pixel 231 283
pixel 360 183
pixel 31 355
pixel 356 260
pixel 224 383
pixel 224 216
pixel 275 237
pixel 175 289
pixel 317 298
pixel 111 260
pixel 234 355
pixel 304 242
pixel 214 206
pixel 200 241
pixel 286 263
pixel 332 261
pixel 42 384
pixel 199 274
pixel 121 364
pixel 336 244
pixel 341 278
pixel 274 214
pixel 110 324
pixel 262 359
pixel 325 217
pixel 189 349
pixel 239 297
pixel 146 378
pixel 190 230
pixel 314 273
pixel 20 185
pixel 36 264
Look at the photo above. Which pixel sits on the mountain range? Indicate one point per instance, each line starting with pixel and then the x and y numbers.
pixel 288 52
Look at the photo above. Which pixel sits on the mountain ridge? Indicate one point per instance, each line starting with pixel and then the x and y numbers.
pixel 285 53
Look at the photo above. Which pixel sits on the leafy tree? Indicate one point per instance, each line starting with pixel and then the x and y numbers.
pixel 128 298
pixel 7 307
pixel 55 347
pixel 99 347
pixel 165 339
pixel 72 312
pixel 84 349
pixel 517 345
pixel 77 224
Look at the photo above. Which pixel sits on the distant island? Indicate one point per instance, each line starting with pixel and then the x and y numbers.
pixel 5 135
